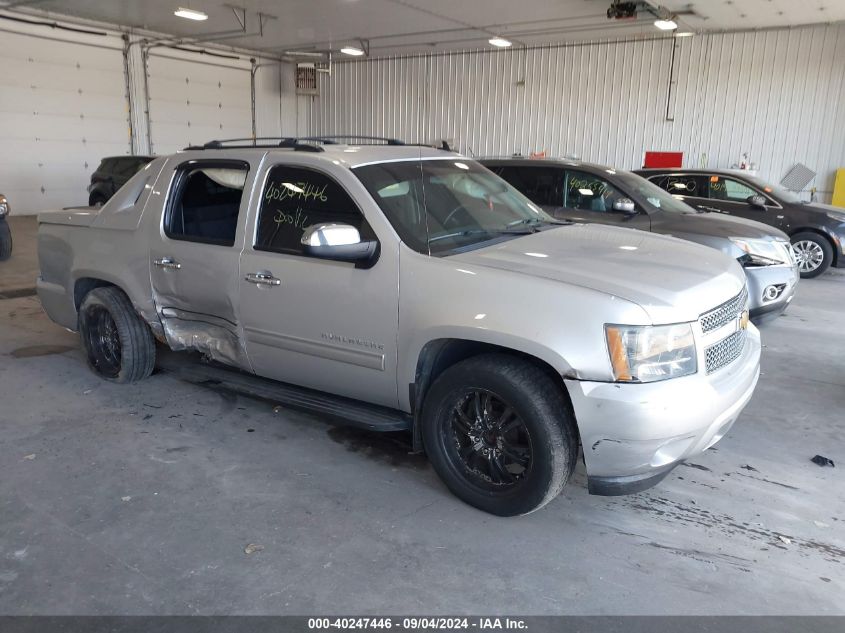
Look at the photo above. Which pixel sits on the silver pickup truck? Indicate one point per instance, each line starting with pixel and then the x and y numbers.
pixel 410 288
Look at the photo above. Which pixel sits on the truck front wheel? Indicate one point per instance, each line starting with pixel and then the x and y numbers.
pixel 118 344
pixel 500 434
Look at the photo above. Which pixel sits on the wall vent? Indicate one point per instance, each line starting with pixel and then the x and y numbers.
pixel 306 79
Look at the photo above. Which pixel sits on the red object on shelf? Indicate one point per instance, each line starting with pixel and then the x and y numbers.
pixel 665 160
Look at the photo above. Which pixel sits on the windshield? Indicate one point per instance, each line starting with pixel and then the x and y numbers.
pixel 653 196
pixel 784 194
pixel 439 206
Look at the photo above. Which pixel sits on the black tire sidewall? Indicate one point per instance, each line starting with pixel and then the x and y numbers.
pixel 132 344
pixel 542 409
pixel 827 249
pixel 5 240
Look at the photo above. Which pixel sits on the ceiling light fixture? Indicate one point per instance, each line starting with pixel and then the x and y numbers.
pixel 685 34
pixel 190 14
pixel 353 51
pixel 500 42
pixel 666 25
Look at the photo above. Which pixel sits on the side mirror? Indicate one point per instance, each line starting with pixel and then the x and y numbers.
pixel 757 201
pixel 626 206
pixel 340 242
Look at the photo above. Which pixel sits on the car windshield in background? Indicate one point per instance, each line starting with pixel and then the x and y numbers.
pixel 786 195
pixel 439 206
pixel 651 194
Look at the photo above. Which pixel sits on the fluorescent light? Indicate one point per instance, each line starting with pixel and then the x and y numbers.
pixel 501 42
pixel 666 25
pixel 685 34
pixel 352 50
pixel 190 14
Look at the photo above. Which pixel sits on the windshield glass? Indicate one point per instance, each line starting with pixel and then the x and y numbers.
pixel 653 196
pixel 776 190
pixel 438 206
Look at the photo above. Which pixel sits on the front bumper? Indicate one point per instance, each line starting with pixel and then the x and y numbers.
pixel 634 434
pixel 761 278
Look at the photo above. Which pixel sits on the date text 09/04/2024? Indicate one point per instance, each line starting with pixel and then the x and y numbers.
pixel 417 623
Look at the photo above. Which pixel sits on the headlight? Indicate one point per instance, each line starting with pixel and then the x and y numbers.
pixel 835 215
pixel 649 353
pixel 764 252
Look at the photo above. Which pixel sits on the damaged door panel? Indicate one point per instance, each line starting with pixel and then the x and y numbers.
pixel 194 266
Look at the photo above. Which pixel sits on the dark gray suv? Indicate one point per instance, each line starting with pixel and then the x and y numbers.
pixel 817 230
pixel 586 192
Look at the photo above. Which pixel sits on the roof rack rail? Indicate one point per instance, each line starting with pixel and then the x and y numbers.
pixel 303 143
pixel 333 138
pixel 261 141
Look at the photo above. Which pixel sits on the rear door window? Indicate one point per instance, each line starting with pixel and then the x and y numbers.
pixel 205 202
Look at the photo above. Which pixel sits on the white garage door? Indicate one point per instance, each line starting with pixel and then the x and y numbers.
pixel 193 101
pixel 62 108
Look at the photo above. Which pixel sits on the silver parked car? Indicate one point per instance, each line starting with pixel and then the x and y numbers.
pixel 586 192
pixel 411 288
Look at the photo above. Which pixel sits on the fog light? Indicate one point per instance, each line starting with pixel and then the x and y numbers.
pixel 773 292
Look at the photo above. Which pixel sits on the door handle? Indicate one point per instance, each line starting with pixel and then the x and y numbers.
pixel 167 262
pixel 263 279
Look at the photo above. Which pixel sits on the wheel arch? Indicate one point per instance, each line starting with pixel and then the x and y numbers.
pixel 439 354
pixel 83 285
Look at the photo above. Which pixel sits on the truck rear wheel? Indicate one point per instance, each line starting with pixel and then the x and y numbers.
pixel 5 241
pixel 500 434
pixel 118 344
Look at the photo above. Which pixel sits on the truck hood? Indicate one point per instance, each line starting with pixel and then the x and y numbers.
pixel 672 280
pixel 714 225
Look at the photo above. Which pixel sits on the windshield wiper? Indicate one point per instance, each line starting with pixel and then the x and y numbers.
pixel 490 232
pixel 536 222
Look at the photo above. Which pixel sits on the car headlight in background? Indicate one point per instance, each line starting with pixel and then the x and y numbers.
pixel 764 252
pixel 651 352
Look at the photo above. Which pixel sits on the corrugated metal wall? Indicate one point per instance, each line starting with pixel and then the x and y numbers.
pixel 778 95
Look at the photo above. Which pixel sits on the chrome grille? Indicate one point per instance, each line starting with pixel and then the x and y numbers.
pixel 725 351
pixel 725 313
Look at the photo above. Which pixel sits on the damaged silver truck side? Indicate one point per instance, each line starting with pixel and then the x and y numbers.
pixel 410 288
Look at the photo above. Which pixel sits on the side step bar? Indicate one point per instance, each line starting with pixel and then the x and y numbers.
pixel 362 415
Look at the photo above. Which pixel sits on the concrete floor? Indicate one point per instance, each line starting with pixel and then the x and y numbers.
pixel 142 499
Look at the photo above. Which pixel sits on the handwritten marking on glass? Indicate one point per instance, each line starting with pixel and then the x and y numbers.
pixel 296 219
pixel 301 191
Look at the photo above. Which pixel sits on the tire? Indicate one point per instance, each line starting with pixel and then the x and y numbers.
pixel 118 344
pixel 5 241
pixel 814 253
pixel 530 457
